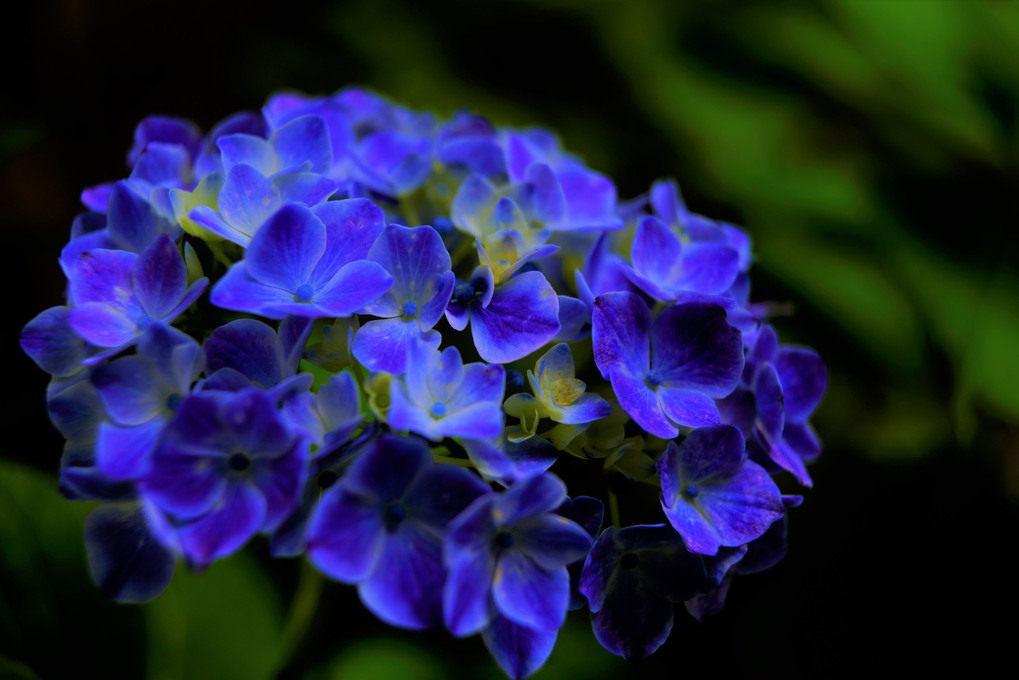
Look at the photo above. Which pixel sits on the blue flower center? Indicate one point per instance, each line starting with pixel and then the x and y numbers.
pixel 438 409
pixel 691 491
pixel 304 292
pixel 503 540
pixel 144 321
pixel 172 402
pixel 394 514
pixel 239 462
pixel 410 310
pixel 653 378
pixel 464 294
pixel 629 560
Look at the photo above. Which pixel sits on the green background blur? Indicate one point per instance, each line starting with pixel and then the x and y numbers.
pixel 870 148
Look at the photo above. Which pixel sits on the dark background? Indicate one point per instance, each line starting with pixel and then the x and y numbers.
pixel 870 148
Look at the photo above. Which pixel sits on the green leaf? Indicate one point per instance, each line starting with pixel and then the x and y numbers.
pixel 223 623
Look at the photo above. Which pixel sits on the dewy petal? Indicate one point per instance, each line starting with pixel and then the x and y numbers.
pixel 688 408
pixel 286 249
pixel 226 527
pixel 804 378
pixel 125 559
pixel 657 253
pixel 405 588
pixel 519 650
pixel 466 601
pixel 159 277
pixel 641 403
pixel 345 535
pixel 354 285
pixel 694 347
pixel 522 316
pixel 529 594
pixel 621 334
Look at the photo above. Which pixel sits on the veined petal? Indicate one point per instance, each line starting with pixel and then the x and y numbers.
pixel 405 588
pixel 287 248
pixel 621 334
pixel 529 594
pixel 345 536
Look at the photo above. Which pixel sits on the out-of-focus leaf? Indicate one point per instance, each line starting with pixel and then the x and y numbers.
pixel 384 659
pixel 223 623
pixel 46 594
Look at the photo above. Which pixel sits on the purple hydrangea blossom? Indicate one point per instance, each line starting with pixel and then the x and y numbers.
pixel 381 527
pixel 632 578
pixel 712 494
pixel 508 321
pixel 666 373
pixel 226 467
pixel 507 555
pixel 385 479
pixel 439 396
pixel 420 266
pixel 308 263
pixel 140 393
pixel 115 295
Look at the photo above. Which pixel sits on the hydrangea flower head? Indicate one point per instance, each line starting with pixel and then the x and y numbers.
pixel 328 395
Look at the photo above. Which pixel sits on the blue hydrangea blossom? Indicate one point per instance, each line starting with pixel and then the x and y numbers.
pixel 325 394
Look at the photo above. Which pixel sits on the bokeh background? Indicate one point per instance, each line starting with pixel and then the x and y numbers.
pixel 870 148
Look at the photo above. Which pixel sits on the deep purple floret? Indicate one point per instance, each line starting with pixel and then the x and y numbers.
pixel 115 295
pixel 666 373
pixel 381 527
pixel 507 554
pixel 713 494
pixel 226 467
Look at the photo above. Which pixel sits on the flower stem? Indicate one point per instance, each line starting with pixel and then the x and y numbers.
pixel 614 510
pixel 302 611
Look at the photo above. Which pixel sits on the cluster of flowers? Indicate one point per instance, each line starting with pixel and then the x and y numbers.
pixel 348 243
